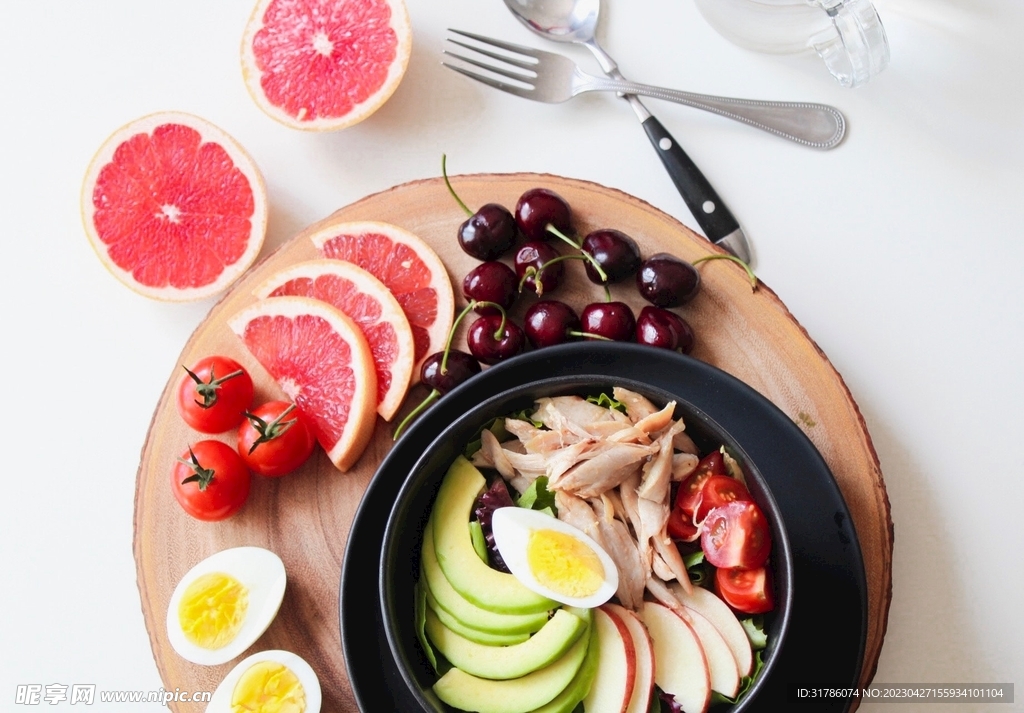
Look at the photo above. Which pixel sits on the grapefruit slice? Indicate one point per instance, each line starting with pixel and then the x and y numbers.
pixel 174 207
pixel 371 306
pixel 322 64
pixel 408 266
pixel 322 362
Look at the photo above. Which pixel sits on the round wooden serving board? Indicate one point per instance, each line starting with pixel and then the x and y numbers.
pixel 305 517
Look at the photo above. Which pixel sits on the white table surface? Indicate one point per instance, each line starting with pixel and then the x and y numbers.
pixel 900 252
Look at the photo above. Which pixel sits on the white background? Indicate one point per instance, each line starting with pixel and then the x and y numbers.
pixel 900 252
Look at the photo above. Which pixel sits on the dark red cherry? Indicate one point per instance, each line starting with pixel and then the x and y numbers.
pixel 550 322
pixel 616 253
pixel 491 282
pixel 658 327
pixel 490 342
pixel 537 255
pixel 459 368
pixel 667 281
pixel 538 208
pixel 489 233
pixel 611 320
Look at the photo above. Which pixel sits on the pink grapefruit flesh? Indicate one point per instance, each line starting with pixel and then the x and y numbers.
pixel 324 64
pixel 371 306
pixel 408 266
pixel 321 361
pixel 174 207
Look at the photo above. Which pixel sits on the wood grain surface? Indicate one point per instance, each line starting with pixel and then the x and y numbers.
pixel 305 517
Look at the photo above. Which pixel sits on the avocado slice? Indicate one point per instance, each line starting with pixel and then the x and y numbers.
pixel 504 662
pixel 485 587
pixel 481 637
pixel 516 695
pixel 579 687
pixel 461 608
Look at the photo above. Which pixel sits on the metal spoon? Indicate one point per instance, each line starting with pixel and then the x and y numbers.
pixel 576 21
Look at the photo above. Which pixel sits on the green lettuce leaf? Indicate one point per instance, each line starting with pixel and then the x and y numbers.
pixel 538 497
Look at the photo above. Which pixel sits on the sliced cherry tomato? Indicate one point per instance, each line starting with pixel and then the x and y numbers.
pixel 210 481
pixel 717 491
pixel 214 394
pixel 736 535
pixel 275 439
pixel 681 527
pixel 746 590
pixel 689 491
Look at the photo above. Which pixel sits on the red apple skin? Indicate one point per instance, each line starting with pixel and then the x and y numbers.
pixel 616 672
pixel 643 685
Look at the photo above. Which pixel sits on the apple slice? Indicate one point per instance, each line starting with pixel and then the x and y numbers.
pixel 643 684
pixel 680 666
pixel 616 669
pixel 707 603
pixel 725 676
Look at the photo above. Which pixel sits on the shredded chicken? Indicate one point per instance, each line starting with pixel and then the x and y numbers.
pixel 611 474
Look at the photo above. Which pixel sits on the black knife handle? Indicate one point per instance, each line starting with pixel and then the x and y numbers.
pixel 713 216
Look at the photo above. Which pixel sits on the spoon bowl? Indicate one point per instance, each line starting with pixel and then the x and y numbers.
pixel 560 20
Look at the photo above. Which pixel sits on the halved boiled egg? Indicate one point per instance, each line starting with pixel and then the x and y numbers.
pixel 553 558
pixel 268 682
pixel 223 604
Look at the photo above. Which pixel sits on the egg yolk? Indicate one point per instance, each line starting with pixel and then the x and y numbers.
pixel 212 609
pixel 563 564
pixel 268 687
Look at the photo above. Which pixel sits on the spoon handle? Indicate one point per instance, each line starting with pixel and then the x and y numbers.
pixel 815 125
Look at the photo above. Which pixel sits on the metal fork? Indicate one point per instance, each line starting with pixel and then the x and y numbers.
pixel 553 78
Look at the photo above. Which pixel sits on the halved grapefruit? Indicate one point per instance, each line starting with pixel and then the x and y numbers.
pixel 174 207
pixel 408 266
pixel 371 306
pixel 323 64
pixel 322 362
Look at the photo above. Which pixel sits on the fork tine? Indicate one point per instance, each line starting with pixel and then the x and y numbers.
pixel 519 77
pixel 532 66
pixel 496 83
pixel 508 46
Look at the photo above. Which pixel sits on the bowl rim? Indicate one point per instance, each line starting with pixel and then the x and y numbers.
pixel 474 418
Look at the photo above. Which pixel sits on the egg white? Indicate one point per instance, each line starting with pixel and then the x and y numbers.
pixel 512 527
pixel 220 701
pixel 261 572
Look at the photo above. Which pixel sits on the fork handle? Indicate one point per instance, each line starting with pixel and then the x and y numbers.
pixel 708 209
pixel 815 125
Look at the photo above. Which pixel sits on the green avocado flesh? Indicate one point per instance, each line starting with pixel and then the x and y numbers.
pixel 505 662
pixel 518 695
pixel 481 637
pixel 467 613
pixel 579 687
pixel 485 587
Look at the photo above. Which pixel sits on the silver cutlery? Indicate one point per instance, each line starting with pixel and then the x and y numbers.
pixel 553 78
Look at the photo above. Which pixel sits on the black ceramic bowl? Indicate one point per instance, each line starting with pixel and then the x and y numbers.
pixel 399 562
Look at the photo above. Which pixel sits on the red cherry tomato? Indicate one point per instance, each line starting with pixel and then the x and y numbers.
pixel 214 394
pixel 689 491
pixel 717 491
pixel 680 526
pixel 210 481
pixel 746 590
pixel 275 439
pixel 736 535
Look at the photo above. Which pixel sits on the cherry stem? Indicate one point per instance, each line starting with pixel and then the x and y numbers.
pixel 451 333
pixel 591 335
pixel 431 397
pixel 444 172
pixel 750 273
pixel 586 256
